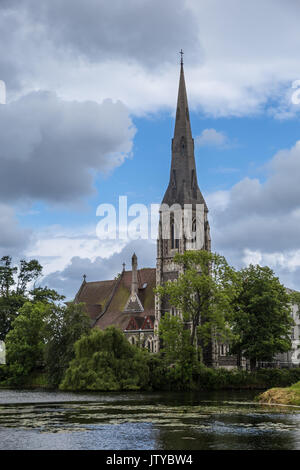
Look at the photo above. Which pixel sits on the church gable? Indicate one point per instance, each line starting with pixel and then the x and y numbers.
pixel 132 325
pixel 148 323
pixel 133 304
pixel 140 323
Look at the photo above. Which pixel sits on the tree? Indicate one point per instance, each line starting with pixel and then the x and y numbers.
pixel 64 326
pixel 178 354
pixel 262 318
pixel 105 360
pixel 45 295
pixel 25 341
pixel 203 294
pixel 15 283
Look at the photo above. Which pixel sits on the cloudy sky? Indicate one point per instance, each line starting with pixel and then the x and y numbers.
pixel 91 90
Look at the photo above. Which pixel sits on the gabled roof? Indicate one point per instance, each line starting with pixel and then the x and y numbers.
pixel 111 296
pixel 140 323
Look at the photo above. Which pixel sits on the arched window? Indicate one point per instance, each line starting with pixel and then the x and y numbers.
pixel 194 229
pixel 174 241
pixel 149 344
pixel 223 349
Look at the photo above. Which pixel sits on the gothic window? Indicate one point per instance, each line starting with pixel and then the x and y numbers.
pixel 194 228
pixel 149 344
pixel 223 349
pixel 174 241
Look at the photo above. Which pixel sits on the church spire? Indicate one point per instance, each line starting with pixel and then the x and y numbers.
pixel 183 186
pixel 182 123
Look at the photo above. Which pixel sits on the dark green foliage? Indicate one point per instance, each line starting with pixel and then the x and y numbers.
pixel 14 289
pixel 262 319
pixel 105 360
pixel 163 377
pixel 25 342
pixel 45 295
pixel 157 372
pixel 64 326
pixel 3 372
pixel 220 379
pixel 178 354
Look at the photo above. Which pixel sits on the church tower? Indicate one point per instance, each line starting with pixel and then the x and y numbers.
pixel 183 223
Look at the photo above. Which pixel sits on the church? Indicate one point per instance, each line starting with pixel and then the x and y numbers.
pixel 128 301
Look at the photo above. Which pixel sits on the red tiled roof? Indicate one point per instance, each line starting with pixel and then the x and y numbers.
pixel 111 297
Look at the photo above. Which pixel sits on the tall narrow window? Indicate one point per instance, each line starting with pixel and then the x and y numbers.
pixel 194 228
pixel 174 241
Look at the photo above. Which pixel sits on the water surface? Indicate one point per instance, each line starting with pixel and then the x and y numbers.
pixel 169 421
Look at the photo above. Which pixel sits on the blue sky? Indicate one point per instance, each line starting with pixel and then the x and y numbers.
pixel 90 116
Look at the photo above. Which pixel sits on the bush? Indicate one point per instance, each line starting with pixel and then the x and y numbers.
pixel 106 361
pixel 3 373
pixel 25 342
pixel 217 379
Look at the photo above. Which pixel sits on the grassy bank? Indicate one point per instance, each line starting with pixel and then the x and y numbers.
pixel 282 396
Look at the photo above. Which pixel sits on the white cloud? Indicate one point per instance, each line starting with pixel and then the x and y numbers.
pixel 55 246
pixel 103 264
pixel 236 60
pixel 13 238
pixel 212 138
pixel 257 222
pixel 58 145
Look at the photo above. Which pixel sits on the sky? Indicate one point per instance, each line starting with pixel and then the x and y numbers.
pixel 91 89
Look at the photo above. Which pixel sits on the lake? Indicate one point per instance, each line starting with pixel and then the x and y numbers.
pixel 135 421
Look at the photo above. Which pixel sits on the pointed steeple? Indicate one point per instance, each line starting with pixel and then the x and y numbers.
pixel 133 303
pixel 183 185
pixel 182 123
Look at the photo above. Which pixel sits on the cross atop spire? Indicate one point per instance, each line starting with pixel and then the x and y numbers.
pixel 181 59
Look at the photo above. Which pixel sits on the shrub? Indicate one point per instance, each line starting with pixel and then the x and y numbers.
pixel 106 361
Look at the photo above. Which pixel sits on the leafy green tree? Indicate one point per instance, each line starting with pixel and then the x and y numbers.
pixel 178 353
pixel 105 360
pixel 25 341
pixel 203 294
pixel 262 319
pixel 64 326
pixel 45 295
pixel 15 284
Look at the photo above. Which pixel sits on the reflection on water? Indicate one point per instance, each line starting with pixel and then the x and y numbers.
pixel 171 421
